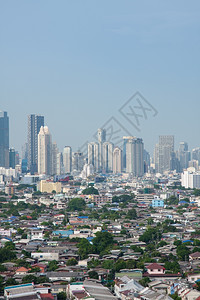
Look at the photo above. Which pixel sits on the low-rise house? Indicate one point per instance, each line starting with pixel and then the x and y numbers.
pixel 49 256
pixel 155 269
pixel 194 256
pixel 21 271
pixel 126 284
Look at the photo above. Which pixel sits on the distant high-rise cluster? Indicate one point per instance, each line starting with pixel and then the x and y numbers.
pixel 41 156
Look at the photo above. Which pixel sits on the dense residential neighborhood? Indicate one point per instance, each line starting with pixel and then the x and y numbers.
pixel 118 238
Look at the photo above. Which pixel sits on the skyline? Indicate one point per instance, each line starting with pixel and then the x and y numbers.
pixel 119 140
pixel 77 64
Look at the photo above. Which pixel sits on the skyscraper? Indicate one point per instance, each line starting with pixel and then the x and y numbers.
pixel 101 140
pixel 4 139
pixel 60 168
pixel 54 158
pixel 135 157
pixel 107 157
pixel 12 154
pixel 164 150
pixel 34 124
pixel 125 140
pixel 101 135
pixel 93 155
pixel 67 159
pixel 117 160
pixel 77 161
pixel 44 151
pixel 183 156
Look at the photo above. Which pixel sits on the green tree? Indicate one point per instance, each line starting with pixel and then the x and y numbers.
pixel 183 252
pixel 76 204
pixel 10 282
pixel 93 274
pixel 119 265
pixel 10 246
pixel 90 191
pixel 53 265
pixel 61 296
pixel 71 262
pixel 144 281
pixel 131 214
pixel 84 248
pixel 102 241
pixel 6 255
pixel 29 278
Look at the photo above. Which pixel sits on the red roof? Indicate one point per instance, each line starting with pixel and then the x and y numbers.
pixel 47 296
pixel 155 266
pixel 22 269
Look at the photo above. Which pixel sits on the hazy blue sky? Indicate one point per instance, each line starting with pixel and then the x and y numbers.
pixel 78 62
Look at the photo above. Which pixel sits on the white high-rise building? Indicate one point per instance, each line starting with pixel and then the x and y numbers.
pixel 67 159
pixel 190 179
pixel 107 151
pixel 93 155
pixel 117 160
pixel 44 151
pixel 88 170
pixel 101 139
pixel 135 157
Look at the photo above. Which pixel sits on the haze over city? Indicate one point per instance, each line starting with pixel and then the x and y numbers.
pixel 77 63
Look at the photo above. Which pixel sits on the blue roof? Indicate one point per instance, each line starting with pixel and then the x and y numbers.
pixel 188 241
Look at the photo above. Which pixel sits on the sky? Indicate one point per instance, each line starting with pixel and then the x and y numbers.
pixel 79 62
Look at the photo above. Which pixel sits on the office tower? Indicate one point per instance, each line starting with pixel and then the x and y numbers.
pixel 183 156
pixel 54 158
pixel 101 135
pixel 146 161
pixel 135 157
pixel 25 151
pixel 101 139
pixel 194 164
pixel 125 141
pixel 44 151
pixel 107 157
pixel 12 154
pixel 4 139
pixel 196 154
pixel 67 159
pixel 60 167
pixel 174 162
pixel 34 124
pixel 117 161
pixel 77 161
pixel 164 151
pixel 93 155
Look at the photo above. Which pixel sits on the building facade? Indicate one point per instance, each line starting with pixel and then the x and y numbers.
pixel 67 159
pixel 4 139
pixel 117 160
pixel 44 151
pixel 34 124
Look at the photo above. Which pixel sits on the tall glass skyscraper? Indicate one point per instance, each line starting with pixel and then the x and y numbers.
pixel 4 139
pixel 34 124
